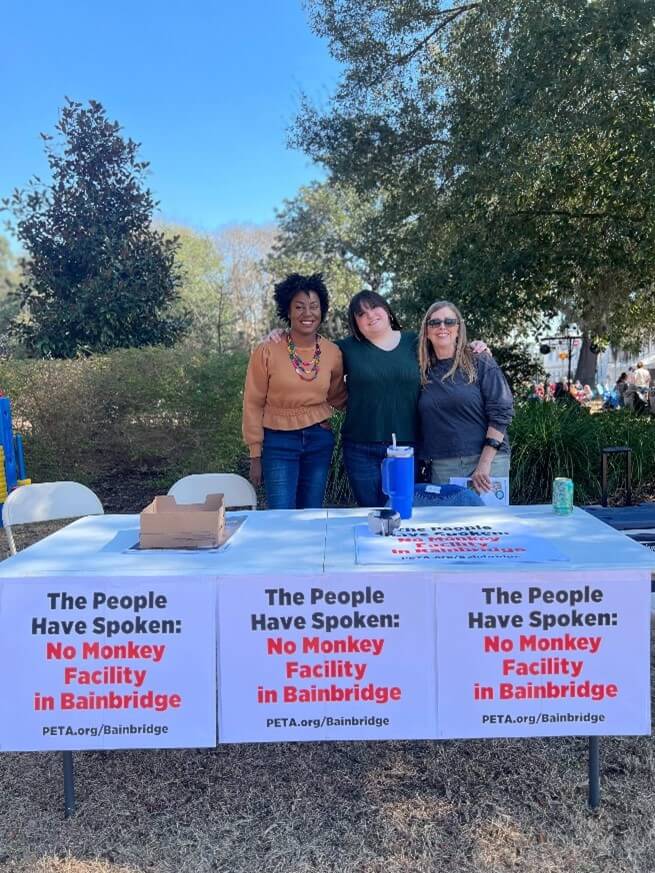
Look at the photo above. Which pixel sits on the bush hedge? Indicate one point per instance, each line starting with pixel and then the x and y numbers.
pixel 161 413
pixel 564 439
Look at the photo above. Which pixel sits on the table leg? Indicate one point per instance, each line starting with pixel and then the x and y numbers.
pixel 594 772
pixel 69 785
pixel 603 479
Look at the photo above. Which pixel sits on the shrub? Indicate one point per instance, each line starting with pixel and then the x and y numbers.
pixel 338 491
pixel 157 412
pixel 562 439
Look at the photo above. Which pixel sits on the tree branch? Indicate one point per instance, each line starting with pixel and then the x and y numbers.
pixel 452 15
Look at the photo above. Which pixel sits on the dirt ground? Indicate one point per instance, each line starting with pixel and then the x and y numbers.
pixel 394 807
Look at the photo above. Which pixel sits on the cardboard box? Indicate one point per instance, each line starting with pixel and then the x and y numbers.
pixel 165 524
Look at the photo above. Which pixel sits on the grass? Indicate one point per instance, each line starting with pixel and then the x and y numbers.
pixel 393 807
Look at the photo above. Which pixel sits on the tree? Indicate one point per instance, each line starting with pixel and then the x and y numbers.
pixel 329 228
pixel 9 278
pixel 514 138
pixel 203 296
pixel 248 283
pixel 9 305
pixel 97 275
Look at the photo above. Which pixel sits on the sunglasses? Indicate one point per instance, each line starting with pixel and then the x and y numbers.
pixel 447 322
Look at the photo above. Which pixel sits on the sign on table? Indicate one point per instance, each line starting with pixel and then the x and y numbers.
pixel 93 663
pixel 107 663
pixel 347 656
pixel 502 542
pixel 544 655
pixel 497 496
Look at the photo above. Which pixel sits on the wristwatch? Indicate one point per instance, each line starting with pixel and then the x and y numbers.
pixel 495 444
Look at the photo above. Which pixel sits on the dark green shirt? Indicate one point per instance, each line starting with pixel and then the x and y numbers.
pixel 383 389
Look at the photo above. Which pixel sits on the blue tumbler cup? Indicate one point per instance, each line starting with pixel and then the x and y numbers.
pixel 398 479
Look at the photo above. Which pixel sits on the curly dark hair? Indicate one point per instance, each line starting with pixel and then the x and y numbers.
pixel 294 283
pixel 368 300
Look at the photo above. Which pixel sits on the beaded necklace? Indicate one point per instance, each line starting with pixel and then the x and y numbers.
pixel 300 366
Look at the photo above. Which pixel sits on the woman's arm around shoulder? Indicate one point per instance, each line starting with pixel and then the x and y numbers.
pixel 337 394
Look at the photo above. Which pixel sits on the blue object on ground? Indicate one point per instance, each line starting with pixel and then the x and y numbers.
pixel 19 453
pixel 7 443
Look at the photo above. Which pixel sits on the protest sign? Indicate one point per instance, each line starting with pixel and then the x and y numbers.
pixel 107 663
pixel 347 656
pixel 544 654
pixel 502 541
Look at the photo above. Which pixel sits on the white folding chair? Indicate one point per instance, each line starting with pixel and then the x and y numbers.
pixel 47 501
pixel 236 490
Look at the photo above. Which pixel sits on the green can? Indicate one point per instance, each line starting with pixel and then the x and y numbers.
pixel 562 496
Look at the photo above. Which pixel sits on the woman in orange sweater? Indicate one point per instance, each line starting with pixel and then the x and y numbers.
pixel 290 391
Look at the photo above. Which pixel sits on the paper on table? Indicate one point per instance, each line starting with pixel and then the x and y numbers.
pixel 499 494
pixel 507 542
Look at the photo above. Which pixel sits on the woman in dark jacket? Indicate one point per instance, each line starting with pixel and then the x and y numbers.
pixel 465 405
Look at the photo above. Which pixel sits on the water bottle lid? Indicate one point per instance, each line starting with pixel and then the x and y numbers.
pixel 400 452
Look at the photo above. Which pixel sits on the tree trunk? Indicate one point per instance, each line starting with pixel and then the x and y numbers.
pixel 585 372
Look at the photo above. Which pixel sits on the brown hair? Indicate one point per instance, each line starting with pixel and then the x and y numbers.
pixel 463 357
pixel 368 300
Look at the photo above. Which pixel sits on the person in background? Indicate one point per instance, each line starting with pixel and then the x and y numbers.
pixel 535 392
pixel 642 380
pixel 380 362
pixel 290 392
pixel 621 387
pixel 561 391
pixel 465 405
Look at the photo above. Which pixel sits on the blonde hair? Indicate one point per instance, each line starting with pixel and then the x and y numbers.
pixel 463 357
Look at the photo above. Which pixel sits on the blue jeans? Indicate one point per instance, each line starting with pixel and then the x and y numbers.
pixel 363 462
pixel 295 464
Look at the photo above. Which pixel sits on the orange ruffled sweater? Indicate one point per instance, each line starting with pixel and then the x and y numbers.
pixel 275 396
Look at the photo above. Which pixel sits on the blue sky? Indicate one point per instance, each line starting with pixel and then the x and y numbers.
pixel 209 90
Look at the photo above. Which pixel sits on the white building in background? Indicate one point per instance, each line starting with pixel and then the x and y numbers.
pixel 609 366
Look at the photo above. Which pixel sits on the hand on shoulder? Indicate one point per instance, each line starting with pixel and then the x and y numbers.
pixel 274 336
pixel 479 347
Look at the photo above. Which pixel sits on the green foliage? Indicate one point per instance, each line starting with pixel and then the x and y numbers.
pixel 338 491
pixel 160 412
pixel 97 276
pixel 9 305
pixel 514 140
pixel 563 439
pixel 519 366
pixel 203 294
pixel 331 229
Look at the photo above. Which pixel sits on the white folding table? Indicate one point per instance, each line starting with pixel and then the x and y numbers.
pixel 291 551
